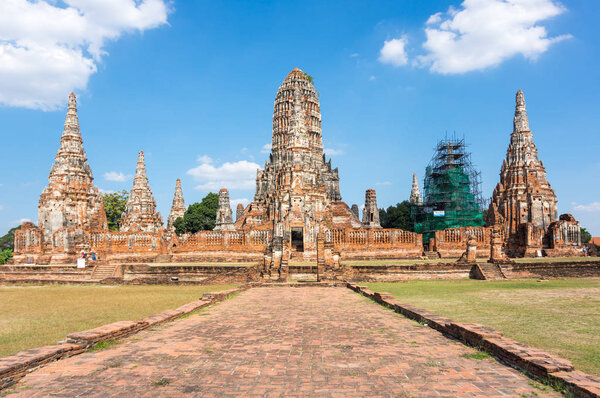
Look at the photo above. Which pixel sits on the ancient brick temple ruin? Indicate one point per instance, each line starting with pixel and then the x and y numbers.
pixel 297 211
pixel 523 204
pixel 177 208
pixel 140 212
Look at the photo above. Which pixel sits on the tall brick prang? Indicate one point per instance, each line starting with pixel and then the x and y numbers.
pixel 415 193
pixel 523 199
pixel 177 208
pixel 224 221
pixel 70 203
pixel 140 212
pixel 371 212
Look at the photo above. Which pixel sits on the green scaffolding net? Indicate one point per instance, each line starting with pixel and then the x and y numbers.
pixel 452 195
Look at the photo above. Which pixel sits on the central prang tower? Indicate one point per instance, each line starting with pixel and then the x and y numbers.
pixel 297 193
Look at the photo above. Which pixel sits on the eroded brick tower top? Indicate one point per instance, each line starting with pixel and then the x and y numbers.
pixel 140 212
pixel 178 206
pixel 71 200
pixel 523 195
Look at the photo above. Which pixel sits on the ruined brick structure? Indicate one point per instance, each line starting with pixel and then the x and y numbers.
pixel 224 220
pixel 70 206
pixel 177 208
pixel 239 211
pixel 371 211
pixel 415 193
pixel 140 212
pixel 523 204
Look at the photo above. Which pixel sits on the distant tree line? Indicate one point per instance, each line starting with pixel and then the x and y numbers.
pixel 397 216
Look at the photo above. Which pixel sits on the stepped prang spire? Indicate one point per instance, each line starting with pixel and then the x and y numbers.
pixel 140 212
pixel 415 193
pixel 523 196
pixel 224 220
pixel 71 201
pixel 177 208
pixel 521 121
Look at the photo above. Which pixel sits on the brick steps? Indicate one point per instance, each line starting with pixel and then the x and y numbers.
pixel 103 271
pixel 491 272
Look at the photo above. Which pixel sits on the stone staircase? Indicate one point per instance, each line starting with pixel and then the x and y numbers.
pixel 491 272
pixel 104 270
pixel 432 255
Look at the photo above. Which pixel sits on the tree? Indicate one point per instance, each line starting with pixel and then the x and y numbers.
pixel 199 216
pixel 7 242
pixel 5 255
pixel 585 236
pixel 114 206
pixel 397 216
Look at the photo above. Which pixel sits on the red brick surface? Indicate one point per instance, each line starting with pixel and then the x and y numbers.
pixel 312 341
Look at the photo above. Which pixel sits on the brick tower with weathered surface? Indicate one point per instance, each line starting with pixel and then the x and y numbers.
pixel 239 211
pixel 177 208
pixel 70 205
pixel 298 190
pixel 371 212
pixel 523 203
pixel 415 193
pixel 224 220
pixel 140 212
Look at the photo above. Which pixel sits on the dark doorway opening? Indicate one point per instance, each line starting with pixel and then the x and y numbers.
pixel 298 239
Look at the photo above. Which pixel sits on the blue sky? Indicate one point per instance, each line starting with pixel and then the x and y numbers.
pixel 192 83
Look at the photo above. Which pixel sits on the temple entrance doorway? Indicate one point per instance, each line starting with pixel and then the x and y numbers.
pixel 298 239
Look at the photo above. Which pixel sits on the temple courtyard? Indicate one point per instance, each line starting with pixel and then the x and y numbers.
pixel 314 341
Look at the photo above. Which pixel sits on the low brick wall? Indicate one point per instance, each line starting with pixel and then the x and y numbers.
pixel 14 367
pixel 567 269
pixel 534 362
pixel 393 273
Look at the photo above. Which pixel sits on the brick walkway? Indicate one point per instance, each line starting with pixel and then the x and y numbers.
pixel 283 341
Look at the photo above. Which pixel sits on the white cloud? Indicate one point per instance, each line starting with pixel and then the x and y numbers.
pixel 103 191
pixel 434 19
pixel 590 207
pixel 230 175
pixel 1 208
pixel 235 202
pixel 353 55
pixel 332 152
pixel 266 148
pixel 393 52
pixel 484 33
pixel 116 176
pixel 371 78
pixel 383 183
pixel 204 159
pixel 48 50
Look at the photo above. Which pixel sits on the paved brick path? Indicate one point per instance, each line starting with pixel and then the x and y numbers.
pixel 283 341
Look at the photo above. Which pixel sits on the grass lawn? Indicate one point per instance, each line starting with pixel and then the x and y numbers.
pixel 559 316
pixel 33 316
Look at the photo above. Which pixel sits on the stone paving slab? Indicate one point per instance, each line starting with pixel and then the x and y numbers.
pixel 272 342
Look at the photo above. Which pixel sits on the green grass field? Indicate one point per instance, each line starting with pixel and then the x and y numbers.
pixel 559 316
pixel 33 316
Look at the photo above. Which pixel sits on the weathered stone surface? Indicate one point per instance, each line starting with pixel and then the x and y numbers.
pixel 224 220
pixel 177 208
pixel 523 203
pixel 239 211
pixel 70 205
pixel 140 213
pixel 415 193
pixel 371 211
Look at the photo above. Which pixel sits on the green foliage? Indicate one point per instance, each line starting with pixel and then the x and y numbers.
pixel 397 216
pixel 114 206
pixel 5 255
pixel 308 77
pixel 199 216
pixel 585 236
pixel 7 242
